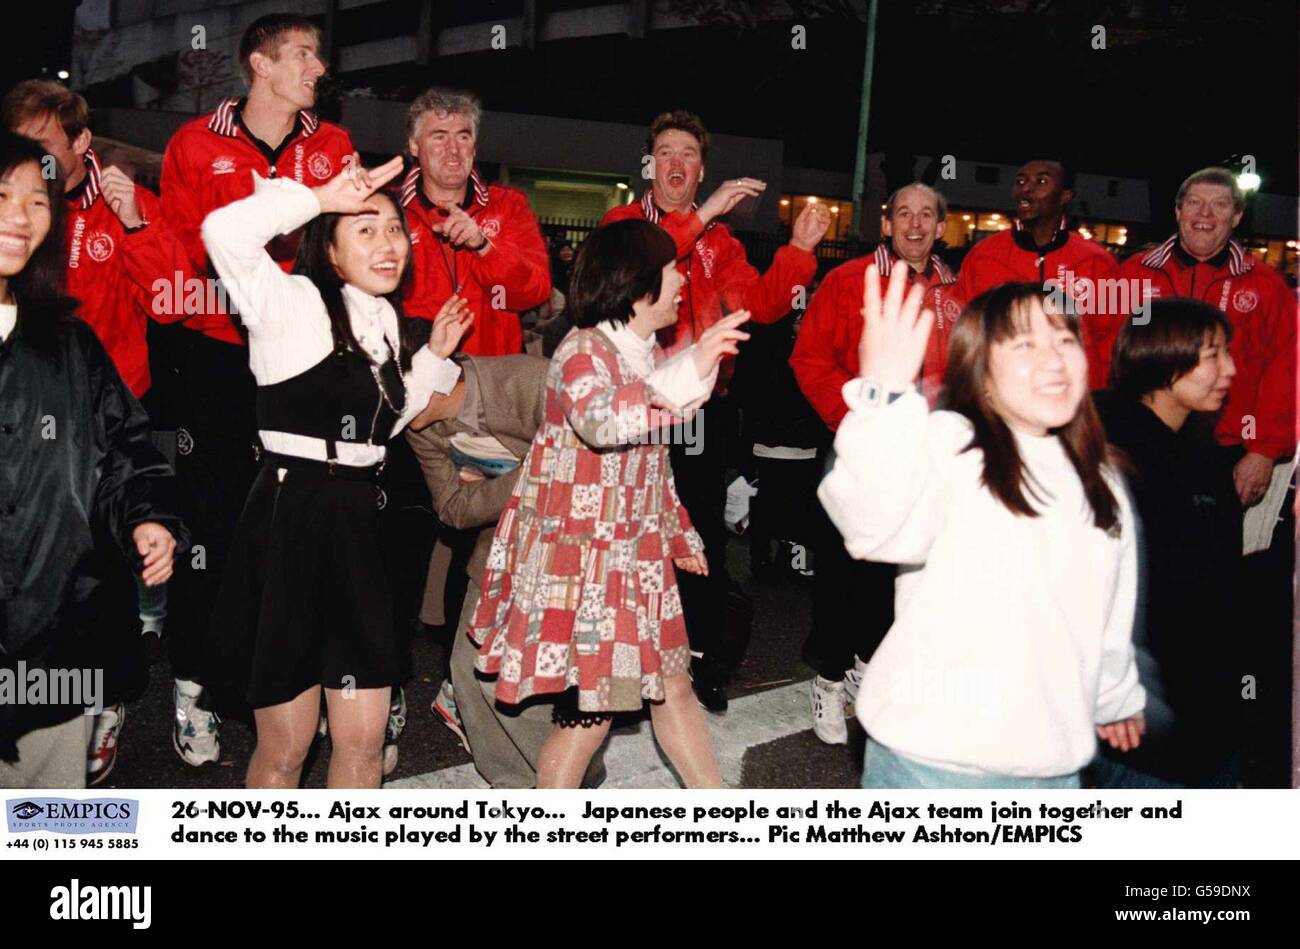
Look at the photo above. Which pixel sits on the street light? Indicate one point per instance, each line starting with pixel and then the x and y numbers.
pixel 1248 181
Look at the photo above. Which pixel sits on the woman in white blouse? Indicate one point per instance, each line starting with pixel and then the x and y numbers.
pixel 1011 648
pixel 305 602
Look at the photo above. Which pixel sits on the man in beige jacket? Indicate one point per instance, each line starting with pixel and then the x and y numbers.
pixel 485 424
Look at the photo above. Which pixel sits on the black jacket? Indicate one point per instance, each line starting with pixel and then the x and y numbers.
pixel 77 473
pixel 1190 638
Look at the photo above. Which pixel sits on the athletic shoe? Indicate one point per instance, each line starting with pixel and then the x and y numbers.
pixel 853 680
pixel 828 711
pixel 194 730
pixel 393 730
pixel 444 706
pixel 101 754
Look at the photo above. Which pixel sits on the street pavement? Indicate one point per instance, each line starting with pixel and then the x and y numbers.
pixel 764 740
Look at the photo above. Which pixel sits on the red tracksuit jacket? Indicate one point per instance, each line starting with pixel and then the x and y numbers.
pixel 516 263
pixel 720 279
pixel 111 272
pixel 1010 256
pixel 826 350
pixel 209 163
pixel 1262 310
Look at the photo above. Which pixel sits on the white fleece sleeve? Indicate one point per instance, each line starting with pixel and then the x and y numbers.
pixel 1119 694
pixel 887 490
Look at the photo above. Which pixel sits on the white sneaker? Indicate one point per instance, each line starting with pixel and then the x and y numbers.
pixel 828 711
pixel 194 731
pixel 853 680
pixel 101 755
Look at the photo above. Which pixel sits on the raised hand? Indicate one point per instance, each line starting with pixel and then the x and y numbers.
pixel 348 191
pixel 894 330
pixel 450 326
pixel 810 226
pixel 728 195
pixel 119 194
pixel 719 340
pixel 460 229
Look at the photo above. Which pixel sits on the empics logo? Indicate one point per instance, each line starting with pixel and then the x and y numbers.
pixel 61 815
pixel 77 902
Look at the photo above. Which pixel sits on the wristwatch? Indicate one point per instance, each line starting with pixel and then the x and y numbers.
pixel 875 394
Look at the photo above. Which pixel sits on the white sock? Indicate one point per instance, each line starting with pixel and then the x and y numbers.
pixel 188 688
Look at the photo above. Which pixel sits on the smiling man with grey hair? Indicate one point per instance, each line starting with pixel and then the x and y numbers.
pixel 476 240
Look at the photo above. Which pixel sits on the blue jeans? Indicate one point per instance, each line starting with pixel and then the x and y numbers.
pixel 882 768
pixel 1107 773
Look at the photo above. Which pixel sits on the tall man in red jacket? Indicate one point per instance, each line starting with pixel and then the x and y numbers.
pixel 853 601
pixel 209 163
pixel 1039 248
pixel 470 238
pixel 1203 261
pixel 117 247
pixel 719 281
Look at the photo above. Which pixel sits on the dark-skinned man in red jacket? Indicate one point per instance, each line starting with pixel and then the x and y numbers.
pixel 1039 248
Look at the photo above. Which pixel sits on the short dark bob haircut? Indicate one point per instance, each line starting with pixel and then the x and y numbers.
pixel 617 265
pixel 1152 356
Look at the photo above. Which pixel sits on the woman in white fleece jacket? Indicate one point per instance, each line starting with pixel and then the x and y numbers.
pixel 1011 648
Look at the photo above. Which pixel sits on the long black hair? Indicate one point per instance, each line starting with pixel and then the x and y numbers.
pixel 313 262
pixel 992 317
pixel 38 288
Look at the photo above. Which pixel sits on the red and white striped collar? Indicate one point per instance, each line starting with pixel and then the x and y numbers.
pixel 225 120
pixel 651 212
pixel 411 187
pixel 1063 226
pixel 93 186
pixel 885 263
pixel 1238 260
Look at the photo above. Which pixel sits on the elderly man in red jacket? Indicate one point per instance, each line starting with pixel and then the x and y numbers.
pixel 853 601
pixel 476 240
pixel 1039 248
pixel 719 281
pixel 1203 262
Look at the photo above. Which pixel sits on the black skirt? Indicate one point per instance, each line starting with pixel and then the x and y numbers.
pixel 305 599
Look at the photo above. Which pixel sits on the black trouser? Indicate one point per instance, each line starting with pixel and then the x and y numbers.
pixel 216 463
pixel 700 473
pixel 853 604
pixel 407 528
pixel 785 507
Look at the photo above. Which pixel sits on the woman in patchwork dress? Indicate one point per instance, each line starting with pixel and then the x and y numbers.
pixel 580 596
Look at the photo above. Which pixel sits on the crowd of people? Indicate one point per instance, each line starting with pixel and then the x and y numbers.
pixel 1010 570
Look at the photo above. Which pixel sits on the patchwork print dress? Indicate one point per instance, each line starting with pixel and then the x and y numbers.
pixel 580 588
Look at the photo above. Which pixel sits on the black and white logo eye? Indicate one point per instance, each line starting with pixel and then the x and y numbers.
pixel 26 810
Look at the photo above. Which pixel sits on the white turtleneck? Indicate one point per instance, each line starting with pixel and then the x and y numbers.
pixel 8 319
pixel 1012 634
pixel 675 380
